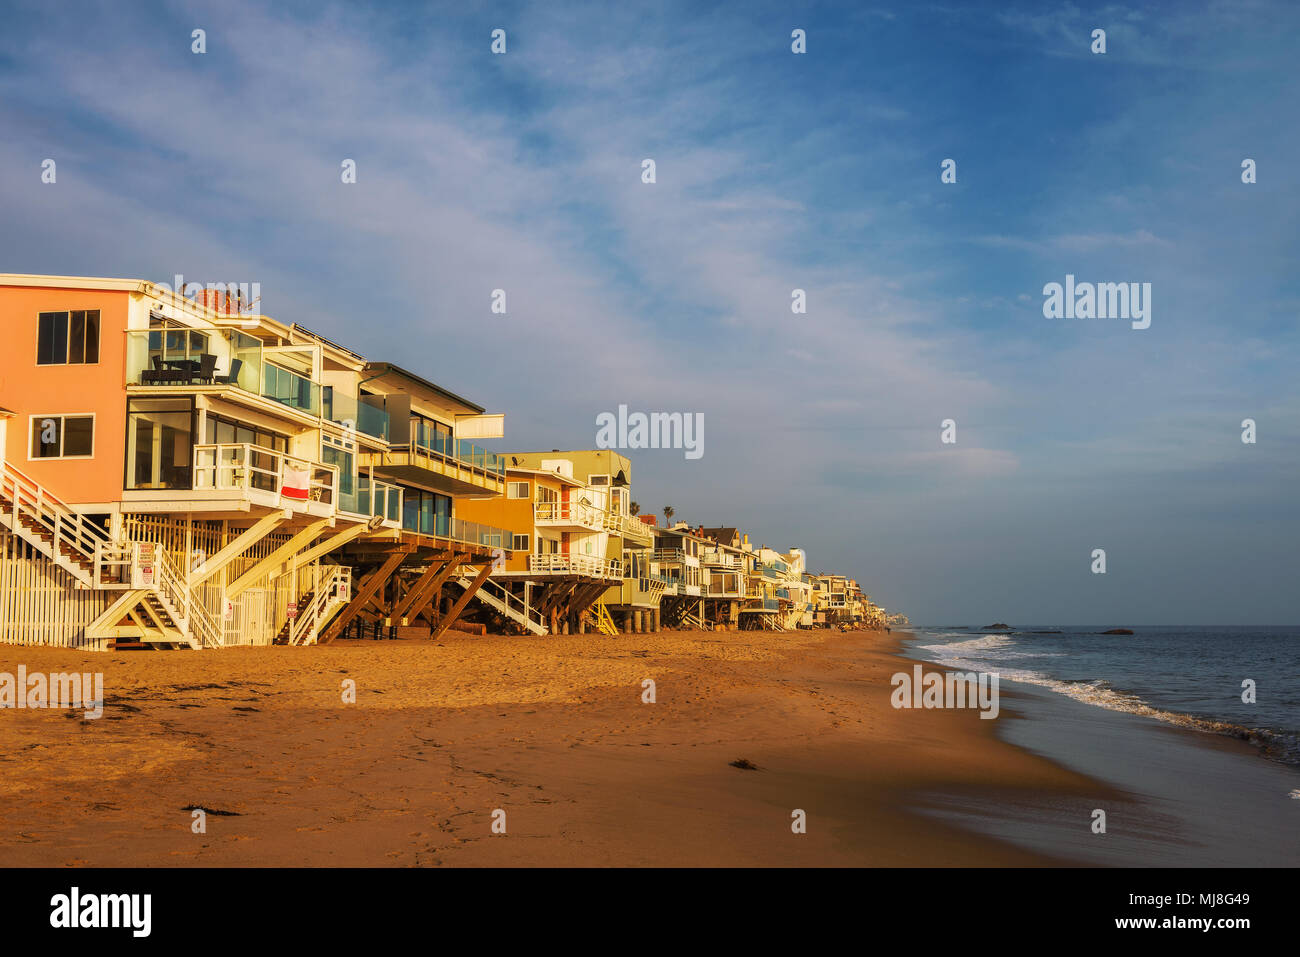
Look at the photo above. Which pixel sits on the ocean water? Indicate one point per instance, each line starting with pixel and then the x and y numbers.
pixel 1186 676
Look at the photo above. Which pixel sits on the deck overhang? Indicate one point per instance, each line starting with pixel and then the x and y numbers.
pixel 434 473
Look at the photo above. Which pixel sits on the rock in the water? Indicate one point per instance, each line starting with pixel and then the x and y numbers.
pixel 1119 631
pixel 998 626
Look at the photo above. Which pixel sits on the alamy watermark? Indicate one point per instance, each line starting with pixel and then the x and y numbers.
pixel 654 430
pixel 243 298
pixel 127 911
pixel 952 689
pixel 57 690
pixel 1103 300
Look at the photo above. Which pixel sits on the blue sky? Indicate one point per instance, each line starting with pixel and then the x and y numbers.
pixel 775 171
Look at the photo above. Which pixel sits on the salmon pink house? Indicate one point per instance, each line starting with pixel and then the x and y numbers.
pixel 180 473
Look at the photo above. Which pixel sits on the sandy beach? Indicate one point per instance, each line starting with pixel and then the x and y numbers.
pixel 552 731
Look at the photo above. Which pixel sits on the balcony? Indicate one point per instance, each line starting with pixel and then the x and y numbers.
pixel 720 559
pixel 237 477
pixel 586 565
pixel 568 515
pixel 725 585
pixel 631 529
pixel 186 360
pixel 442 463
pixel 483 537
pixel 761 605
pixel 353 413
pixel 374 498
pixel 675 556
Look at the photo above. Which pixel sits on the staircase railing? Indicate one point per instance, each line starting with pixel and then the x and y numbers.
pixel 603 620
pixel 28 497
pixel 326 592
pixel 511 603
pixel 197 618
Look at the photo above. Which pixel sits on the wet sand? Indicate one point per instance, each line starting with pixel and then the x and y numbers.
pixel 551 731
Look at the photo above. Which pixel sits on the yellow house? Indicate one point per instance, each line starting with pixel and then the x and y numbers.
pixel 632 603
pixel 567 546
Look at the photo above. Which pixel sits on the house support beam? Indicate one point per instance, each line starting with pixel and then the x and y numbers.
pixel 281 554
pixel 428 584
pixel 328 545
pixel 368 586
pixel 245 540
pixel 462 601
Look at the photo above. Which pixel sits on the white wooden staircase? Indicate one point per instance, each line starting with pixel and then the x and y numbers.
pixel 498 597
pixel 317 607
pixel 45 522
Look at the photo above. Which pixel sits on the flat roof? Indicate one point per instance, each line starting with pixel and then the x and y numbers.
pixel 387 368
pixel 527 471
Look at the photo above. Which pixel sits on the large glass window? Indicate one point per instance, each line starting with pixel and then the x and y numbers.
pixel 171 341
pixel 426 512
pixel 159 443
pixel 341 452
pixel 431 434
pixel 222 431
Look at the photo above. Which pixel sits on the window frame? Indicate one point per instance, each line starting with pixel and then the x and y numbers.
pixel 127 462
pixel 67 315
pixel 62 417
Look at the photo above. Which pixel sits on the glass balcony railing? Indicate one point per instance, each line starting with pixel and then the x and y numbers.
pixel 289 388
pixel 373 498
pixel 474 533
pixel 228 357
pixel 457 530
pixel 431 442
pixel 351 412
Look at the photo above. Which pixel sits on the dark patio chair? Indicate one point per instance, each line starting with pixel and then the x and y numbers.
pixel 153 375
pixel 207 367
pixel 231 377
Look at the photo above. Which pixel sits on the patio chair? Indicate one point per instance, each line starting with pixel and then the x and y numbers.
pixel 207 367
pixel 154 375
pixel 231 377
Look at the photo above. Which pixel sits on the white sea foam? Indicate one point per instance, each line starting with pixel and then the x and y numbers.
pixel 987 651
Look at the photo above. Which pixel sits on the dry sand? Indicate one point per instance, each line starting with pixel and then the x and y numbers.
pixel 551 730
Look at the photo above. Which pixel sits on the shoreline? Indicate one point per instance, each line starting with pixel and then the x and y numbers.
pixel 1193 796
pixel 552 731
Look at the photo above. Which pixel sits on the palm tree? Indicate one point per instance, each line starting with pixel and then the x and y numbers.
pixel 669 512
pixel 633 508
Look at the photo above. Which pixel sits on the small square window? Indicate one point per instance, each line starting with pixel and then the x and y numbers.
pixel 62 436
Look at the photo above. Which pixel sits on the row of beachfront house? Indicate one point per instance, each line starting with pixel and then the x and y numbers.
pixel 175 472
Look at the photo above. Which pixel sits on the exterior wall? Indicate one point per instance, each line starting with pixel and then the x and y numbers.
pixel 98 388
pixel 515 514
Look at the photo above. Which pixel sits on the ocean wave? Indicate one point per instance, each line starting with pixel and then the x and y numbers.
pixel 979 653
pixel 1282 746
